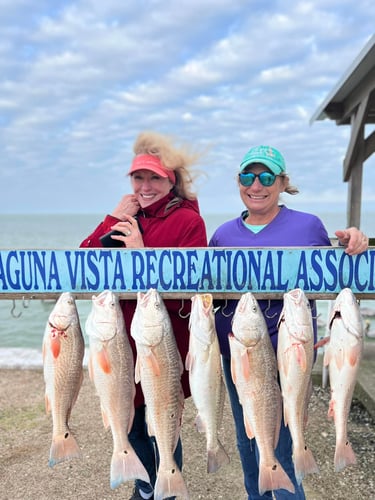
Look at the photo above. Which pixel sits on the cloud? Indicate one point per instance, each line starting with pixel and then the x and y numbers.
pixel 81 79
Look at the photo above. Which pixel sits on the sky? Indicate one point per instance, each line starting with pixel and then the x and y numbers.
pixel 81 79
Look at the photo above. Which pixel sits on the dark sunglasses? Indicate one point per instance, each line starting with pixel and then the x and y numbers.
pixel 265 178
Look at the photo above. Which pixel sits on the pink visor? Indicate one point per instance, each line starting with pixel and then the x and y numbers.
pixel 151 162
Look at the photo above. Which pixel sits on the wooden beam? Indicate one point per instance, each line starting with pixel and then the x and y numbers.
pixel 356 138
pixel 369 146
pixel 355 195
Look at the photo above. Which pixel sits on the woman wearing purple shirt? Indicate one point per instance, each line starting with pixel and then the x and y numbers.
pixel 265 223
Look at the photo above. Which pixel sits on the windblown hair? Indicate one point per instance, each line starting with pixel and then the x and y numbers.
pixel 288 187
pixel 178 159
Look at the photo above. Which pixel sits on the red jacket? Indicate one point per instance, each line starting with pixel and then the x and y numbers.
pixel 179 226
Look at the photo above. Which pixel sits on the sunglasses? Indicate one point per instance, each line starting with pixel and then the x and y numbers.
pixel 265 178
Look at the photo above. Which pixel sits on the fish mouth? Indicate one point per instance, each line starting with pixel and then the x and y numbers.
pixel 59 327
pixel 337 315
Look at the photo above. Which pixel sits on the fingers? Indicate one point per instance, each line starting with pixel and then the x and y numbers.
pixel 128 227
pixel 131 234
pixel 128 205
pixel 354 240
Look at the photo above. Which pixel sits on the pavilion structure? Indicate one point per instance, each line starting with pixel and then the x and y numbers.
pixel 352 102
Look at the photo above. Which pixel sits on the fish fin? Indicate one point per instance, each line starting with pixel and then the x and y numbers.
pixel 344 456
pixel 300 356
pixel 153 363
pixel 327 356
pixel 181 364
pixel 217 458
pixel 55 346
pixel 126 466
pixel 149 423
pixel 283 362
pixel 249 430
pixel 170 483
pixel 104 418
pixel 354 355
pixel 103 360
pixel 90 368
pixel 339 358
pixel 245 365
pixel 137 371
pixel 200 424
pixel 304 463
pixel 273 477
pixel 189 362
pixel 331 409
pixel 233 370
pixel 47 403
pixel 64 447
pixel 285 415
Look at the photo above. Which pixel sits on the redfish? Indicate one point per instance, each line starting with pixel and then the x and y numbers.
pixel 343 355
pixel 63 350
pixel 206 379
pixel 254 372
pixel 159 368
pixel 111 368
pixel 295 355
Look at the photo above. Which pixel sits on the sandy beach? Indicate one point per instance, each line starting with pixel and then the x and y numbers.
pixel 25 438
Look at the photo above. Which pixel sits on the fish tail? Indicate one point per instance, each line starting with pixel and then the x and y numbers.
pixel 344 456
pixel 63 447
pixel 216 458
pixel 125 466
pixel 170 483
pixel 274 477
pixel 304 463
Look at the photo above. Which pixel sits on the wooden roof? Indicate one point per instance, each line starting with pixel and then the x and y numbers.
pixel 352 102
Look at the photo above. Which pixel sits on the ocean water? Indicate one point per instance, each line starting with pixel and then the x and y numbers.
pixel 22 322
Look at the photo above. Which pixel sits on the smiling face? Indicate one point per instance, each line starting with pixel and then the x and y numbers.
pixel 261 201
pixel 149 187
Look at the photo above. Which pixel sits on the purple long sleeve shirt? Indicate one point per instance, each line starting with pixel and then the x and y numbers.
pixel 288 229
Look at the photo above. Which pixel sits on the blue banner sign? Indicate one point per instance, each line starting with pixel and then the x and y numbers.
pixel 176 272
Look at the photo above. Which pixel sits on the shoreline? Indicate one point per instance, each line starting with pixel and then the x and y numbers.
pixel 25 439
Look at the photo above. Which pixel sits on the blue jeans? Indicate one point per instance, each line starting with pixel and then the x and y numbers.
pixel 248 449
pixel 147 450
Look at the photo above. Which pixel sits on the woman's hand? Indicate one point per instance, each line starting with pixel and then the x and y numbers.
pixel 132 236
pixel 353 240
pixel 128 205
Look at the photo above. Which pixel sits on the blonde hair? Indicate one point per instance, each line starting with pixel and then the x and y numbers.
pixel 288 186
pixel 178 159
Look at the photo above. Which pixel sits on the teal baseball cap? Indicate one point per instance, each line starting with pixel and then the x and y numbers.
pixel 270 157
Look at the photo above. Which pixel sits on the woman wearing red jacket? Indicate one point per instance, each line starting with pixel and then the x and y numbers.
pixel 162 212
